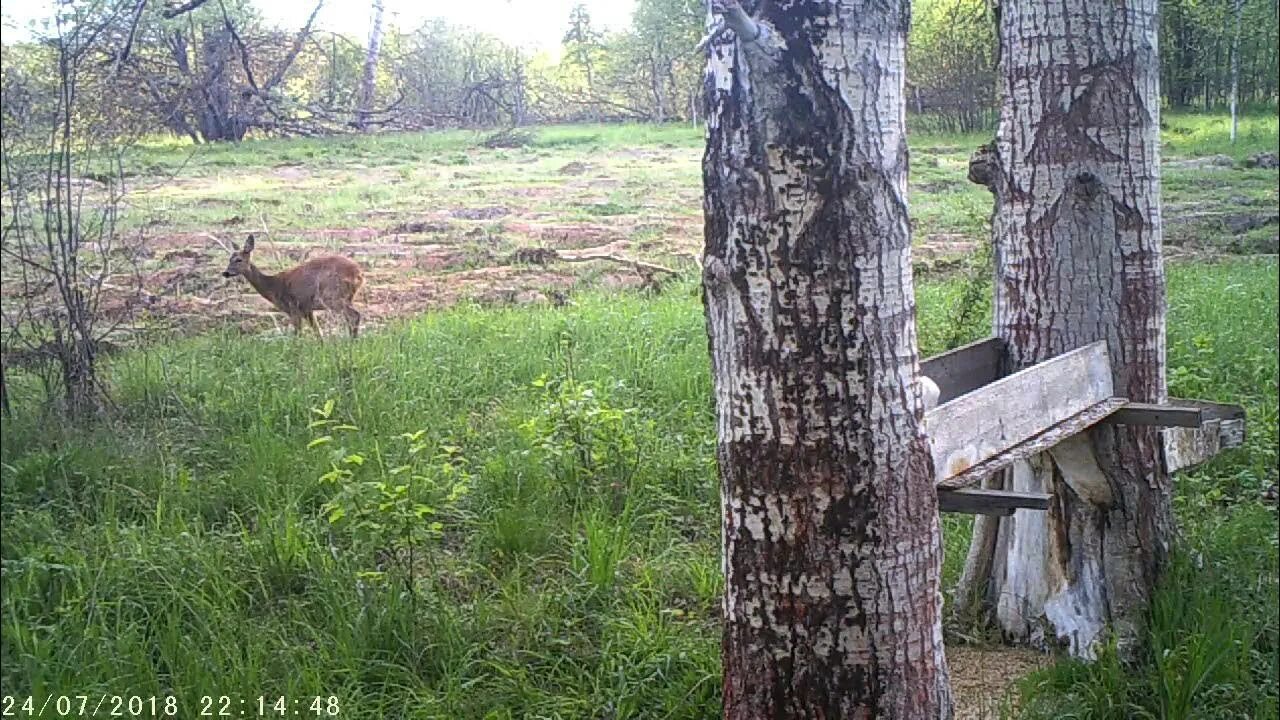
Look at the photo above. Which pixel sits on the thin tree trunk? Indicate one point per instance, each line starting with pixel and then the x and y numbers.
pixel 4 393
pixel 1235 72
pixel 1076 177
pixel 369 80
pixel 832 551
pixel 655 82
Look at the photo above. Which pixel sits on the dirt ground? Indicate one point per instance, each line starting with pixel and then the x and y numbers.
pixel 982 679
pixel 427 236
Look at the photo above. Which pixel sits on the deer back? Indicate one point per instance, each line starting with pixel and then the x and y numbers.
pixel 321 283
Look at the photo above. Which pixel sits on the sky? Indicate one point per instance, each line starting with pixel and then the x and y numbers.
pixel 529 24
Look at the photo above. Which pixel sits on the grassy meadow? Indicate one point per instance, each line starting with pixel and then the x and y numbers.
pixel 495 509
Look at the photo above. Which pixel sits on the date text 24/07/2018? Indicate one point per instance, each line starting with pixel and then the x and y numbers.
pixel 133 706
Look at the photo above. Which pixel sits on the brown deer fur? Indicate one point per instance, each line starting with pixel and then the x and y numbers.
pixel 323 283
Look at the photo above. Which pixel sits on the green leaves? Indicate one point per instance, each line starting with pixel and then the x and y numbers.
pixel 582 438
pixel 389 498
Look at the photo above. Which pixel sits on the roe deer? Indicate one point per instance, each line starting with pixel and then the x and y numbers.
pixel 323 283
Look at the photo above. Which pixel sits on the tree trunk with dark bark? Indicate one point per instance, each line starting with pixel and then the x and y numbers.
pixel 217 114
pixel 832 552
pixel 1075 173
pixel 4 393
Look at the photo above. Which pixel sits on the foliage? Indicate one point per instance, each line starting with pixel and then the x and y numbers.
pixel 134 555
pixel 584 440
pixel 951 62
pixel 221 72
pixel 1196 40
pixel 387 498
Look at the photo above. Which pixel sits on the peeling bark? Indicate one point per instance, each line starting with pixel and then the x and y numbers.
pixel 832 551
pixel 1075 176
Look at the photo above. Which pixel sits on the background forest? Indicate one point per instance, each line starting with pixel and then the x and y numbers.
pixel 217 71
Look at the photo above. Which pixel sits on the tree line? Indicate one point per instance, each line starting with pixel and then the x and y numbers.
pixel 214 71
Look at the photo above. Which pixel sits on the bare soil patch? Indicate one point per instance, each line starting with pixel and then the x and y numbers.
pixel 982 679
pixel 417 259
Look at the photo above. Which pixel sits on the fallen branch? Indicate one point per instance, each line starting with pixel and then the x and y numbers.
pixel 542 256
pixel 638 265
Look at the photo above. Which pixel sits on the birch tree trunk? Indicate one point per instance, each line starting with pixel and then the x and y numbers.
pixel 1075 173
pixel 832 553
pixel 369 80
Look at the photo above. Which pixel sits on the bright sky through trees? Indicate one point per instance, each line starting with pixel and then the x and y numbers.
pixel 531 24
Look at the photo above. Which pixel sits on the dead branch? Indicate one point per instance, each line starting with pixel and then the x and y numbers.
pixel 172 11
pixel 638 265
pixel 298 41
pixel 543 256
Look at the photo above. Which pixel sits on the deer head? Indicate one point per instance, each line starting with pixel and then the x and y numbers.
pixel 239 261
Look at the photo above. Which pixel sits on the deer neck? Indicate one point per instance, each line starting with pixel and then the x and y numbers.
pixel 268 286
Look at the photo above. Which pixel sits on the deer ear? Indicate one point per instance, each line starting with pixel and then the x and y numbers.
pixel 248 244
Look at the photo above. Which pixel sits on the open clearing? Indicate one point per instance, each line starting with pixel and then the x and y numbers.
pixel 438 218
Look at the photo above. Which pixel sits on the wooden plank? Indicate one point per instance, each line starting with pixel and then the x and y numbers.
pixel 978 501
pixel 1187 447
pixel 1212 410
pixel 998 416
pixel 1075 424
pixel 967 368
pixel 1171 415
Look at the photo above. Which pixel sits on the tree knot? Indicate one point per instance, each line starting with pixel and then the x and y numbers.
pixel 984 166
pixel 1087 185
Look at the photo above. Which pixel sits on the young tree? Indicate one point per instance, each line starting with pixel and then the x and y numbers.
pixel 582 41
pixel 1075 173
pixel 61 172
pixel 1235 70
pixel 832 553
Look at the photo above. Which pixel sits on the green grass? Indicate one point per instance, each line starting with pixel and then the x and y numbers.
pixel 1201 134
pixel 185 549
pixel 1215 638
pixel 633 176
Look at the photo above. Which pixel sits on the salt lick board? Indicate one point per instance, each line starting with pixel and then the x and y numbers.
pixel 964 369
pixel 996 417
pixel 1222 427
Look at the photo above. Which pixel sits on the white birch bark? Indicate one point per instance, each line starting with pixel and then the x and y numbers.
pixel 832 552
pixel 1075 175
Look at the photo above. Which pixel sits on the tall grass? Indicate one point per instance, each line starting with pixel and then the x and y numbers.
pixel 186 549
pixel 1213 639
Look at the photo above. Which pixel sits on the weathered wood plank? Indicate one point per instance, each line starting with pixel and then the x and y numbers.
pixel 979 501
pixel 1170 415
pixel 1223 428
pixel 998 416
pixel 1212 410
pixel 1039 443
pixel 967 368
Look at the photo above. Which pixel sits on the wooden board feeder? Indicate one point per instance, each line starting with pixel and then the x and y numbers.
pixel 985 422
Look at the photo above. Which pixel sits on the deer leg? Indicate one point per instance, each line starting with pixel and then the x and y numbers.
pixel 353 319
pixel 296 321
pixel 311 320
